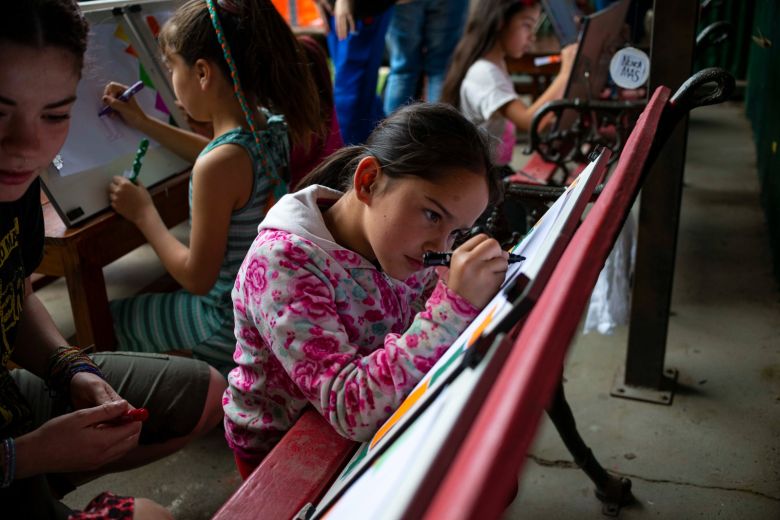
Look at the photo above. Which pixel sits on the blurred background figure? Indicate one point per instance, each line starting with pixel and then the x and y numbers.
pixel 304 158
pixel 299 13
pixel 421 38
pixel 356 42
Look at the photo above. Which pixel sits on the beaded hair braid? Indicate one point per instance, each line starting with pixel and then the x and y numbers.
pixel 237 90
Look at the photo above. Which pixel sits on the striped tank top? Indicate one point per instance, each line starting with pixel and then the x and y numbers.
pixel 204 324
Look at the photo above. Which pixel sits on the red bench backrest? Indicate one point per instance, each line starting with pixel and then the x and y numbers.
pixel 486 467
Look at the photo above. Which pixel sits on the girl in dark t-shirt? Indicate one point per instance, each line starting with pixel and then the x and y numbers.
pixel 61 414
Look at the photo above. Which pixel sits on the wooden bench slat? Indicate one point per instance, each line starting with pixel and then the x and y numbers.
pixel 535 171
pixel 538 171
pixel 297 471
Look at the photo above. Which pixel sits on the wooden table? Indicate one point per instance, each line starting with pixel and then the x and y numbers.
pixel 80 253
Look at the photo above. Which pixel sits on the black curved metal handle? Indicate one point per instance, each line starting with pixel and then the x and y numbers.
pixel 693 93
pixel 534 132
pixel 707 87
pixel 713 34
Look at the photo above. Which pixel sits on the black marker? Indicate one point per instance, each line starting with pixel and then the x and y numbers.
pixel 430 259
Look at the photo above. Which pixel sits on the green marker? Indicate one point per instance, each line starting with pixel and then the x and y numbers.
pixel 137 162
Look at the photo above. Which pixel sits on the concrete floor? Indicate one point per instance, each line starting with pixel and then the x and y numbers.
pixel 714 453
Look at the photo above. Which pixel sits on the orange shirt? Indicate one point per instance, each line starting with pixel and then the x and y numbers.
pixel 305 12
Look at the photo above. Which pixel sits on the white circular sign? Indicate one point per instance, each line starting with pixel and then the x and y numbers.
pixel 629 68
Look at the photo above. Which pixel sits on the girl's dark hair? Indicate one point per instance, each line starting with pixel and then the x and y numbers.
pixel 40 23
pixel 272 67
pixel 423 140
pixel 483 28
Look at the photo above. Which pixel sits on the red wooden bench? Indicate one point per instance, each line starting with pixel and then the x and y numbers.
pixel 485 470
pixel 296 472
pixel 485 467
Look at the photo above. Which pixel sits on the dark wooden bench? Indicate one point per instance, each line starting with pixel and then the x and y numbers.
pixel 558 153
pixel 481 475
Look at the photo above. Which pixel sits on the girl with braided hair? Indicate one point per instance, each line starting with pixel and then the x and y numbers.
pixel 230 62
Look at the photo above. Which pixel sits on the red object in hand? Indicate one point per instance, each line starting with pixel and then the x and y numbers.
pixel 137 414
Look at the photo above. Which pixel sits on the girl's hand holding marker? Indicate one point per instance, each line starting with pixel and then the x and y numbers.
pixel 128 197
pixel 477 269
pixel 125 96
pixel 119 100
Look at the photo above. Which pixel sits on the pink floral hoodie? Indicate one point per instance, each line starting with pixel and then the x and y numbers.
pixel 318 324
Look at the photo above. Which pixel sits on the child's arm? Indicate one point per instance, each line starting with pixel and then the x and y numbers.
pixel 70 442
pixel 183 143
pixel 521 114
pixel 41 336
pixel 222 181
pixel 292 306
pixel 40 343
pixel 79 441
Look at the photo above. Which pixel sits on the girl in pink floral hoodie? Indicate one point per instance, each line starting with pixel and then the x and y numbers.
pixel 333 306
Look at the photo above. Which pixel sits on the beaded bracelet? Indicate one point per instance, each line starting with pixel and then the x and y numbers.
pixel 9 462
pixel 65 363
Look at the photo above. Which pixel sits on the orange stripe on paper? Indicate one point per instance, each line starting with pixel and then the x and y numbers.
pixel 405 406
pixel 481 328
pixel 420 390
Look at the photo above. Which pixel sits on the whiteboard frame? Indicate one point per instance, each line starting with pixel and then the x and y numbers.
pixel 80 196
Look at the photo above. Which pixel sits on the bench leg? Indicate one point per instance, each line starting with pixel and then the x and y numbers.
pixel 614 492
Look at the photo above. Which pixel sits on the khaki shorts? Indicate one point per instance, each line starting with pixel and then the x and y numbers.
pixel 172 388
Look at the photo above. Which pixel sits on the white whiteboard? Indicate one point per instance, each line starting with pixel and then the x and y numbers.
pixel 97 148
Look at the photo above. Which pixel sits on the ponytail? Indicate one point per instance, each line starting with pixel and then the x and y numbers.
pixel 277 69
pixel 427 140
pixel 270 65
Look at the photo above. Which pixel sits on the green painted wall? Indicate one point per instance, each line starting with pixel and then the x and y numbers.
pixel 762 102
pixel 732 54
